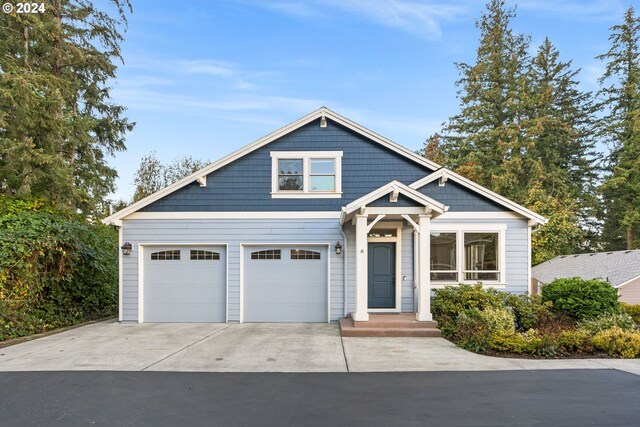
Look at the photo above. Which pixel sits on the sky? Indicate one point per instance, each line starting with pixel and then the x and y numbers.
pixel 205 78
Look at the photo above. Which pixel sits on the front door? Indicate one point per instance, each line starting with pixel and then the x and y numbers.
pixel 382 275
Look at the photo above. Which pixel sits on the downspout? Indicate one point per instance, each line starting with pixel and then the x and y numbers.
pixel 344 271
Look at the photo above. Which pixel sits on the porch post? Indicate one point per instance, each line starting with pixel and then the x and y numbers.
pixel 361 315
pixel 424 276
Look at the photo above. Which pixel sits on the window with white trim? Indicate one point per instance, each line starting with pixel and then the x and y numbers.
pixel 166 255
pixel 467 256
pixel 310 174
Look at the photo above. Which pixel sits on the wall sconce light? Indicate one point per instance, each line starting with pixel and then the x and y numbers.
pixel 126 248
pixel 338 248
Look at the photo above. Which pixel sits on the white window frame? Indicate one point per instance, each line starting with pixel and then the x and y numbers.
pixel 306 157
pixel 460 230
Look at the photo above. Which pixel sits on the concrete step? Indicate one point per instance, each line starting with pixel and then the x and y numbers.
pixel 388 328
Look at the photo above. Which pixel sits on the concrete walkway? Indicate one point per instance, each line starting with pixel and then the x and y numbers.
pixel 258 348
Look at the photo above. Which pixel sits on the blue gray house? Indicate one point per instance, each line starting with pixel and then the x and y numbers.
pixel 320 219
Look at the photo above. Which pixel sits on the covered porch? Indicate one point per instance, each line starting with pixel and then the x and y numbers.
pixel 378 220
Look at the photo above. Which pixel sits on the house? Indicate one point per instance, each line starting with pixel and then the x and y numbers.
pixel 620 268
pixel 319 219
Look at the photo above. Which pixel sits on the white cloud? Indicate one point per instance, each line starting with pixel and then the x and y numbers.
pixel 586 10
pixel 417 17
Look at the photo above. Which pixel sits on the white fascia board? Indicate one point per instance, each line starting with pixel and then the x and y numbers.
pixel 323 111
pixel 235 215
pixel 402 189
pixel 509 204
pixel 627 282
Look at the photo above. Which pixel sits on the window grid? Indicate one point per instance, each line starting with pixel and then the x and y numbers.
pixel 201 255
pixel 166 255
pixel 304 254
pixel 266 254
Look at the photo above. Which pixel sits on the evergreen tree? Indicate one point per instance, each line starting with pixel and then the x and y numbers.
pixel 57 122
pixel 485 135
pixel 524 132
pixel 620 125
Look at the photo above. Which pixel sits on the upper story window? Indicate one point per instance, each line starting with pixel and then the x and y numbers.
pixel 311 174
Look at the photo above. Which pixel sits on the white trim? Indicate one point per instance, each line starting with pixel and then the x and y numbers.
pixel 306 157
pixel 511 205
pixel 120 274
pixel 374 222
pixel 627 282
pixel 281 244
pixel 323 111
pixel 460 229
pixel 402 189
pixel 485 285
pixel 529 281
pixel 397 210
pixel 306 195
pixel 235 215
pixel 397 240
pixel 140 284
pixel 141 250
pixel 479 215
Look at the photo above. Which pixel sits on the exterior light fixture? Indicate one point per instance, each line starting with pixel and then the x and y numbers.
pixel 126 248
pixel 338 248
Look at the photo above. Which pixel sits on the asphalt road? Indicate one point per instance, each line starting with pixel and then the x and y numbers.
pixel 510 398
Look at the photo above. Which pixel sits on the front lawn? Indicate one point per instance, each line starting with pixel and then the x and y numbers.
pixel 573 318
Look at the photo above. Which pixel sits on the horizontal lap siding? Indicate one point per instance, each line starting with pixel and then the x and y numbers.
pixel 233 232
pixel 406 273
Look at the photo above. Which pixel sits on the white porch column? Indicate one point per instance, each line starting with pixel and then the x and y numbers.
pixel 424 273
pixel 361 315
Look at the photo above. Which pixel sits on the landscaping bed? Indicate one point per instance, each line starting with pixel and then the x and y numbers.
pixel 573 318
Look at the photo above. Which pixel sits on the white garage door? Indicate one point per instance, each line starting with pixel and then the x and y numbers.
pixel 184 284
pixel 285 284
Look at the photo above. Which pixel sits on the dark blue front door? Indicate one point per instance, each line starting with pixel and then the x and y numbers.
pixel 382 275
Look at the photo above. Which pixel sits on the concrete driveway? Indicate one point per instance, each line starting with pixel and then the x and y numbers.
pixel 257 348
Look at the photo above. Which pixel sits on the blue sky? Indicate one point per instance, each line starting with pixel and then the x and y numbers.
pixel 206 78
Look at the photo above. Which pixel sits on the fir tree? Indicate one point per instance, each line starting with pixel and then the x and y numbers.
pixel 58 124
pixel 620 125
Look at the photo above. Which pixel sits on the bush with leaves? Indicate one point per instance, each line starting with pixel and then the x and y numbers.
pixel 607 321
pixel 618 342
pixel 527 309
pixel 581 299
pixel 632 310
pixel 450 301
pixel 56 268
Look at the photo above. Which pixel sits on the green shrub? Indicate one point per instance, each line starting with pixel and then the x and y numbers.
pixel 56 268
pixel 581 299
pixel 573 342
pixel 632 310
pixel 607 321
pixel 519 343
pixel 527 309
pixel 618 342
pixel 471 330
pixel 448 302
pixel 498 320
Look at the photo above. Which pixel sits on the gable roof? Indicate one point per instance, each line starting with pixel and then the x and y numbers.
pixel 446 175
pixel 200 175
pixel 618 267
pixel 400 188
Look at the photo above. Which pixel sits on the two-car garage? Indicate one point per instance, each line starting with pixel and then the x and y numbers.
pixel 278 283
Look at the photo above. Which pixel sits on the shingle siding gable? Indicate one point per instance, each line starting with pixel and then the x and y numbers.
pixel 245 184
pixel 460 199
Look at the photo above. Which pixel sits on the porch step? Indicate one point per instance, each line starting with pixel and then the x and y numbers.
pixel 389 325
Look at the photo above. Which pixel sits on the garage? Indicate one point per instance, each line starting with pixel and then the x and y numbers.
pixel 184 284
pixel 285 284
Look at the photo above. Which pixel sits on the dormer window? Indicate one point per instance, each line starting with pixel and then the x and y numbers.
pixel 308 174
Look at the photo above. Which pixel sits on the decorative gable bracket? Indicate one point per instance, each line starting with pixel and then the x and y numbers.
pixel 393 196
pixel 202 180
